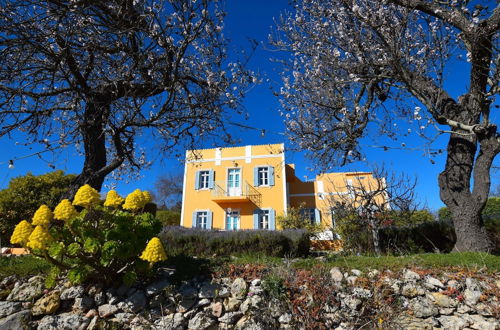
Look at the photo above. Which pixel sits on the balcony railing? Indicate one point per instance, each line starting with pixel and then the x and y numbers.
pixel 221 193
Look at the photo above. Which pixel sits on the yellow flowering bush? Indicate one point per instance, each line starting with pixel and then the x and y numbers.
pixel 43 216
pixel 21 233
pixel 154 251
pixel 64 210
pixel 113 199
pixel 97 242
pixel 136 200
pixel 147 197
pixel 86 196
pixel 40 238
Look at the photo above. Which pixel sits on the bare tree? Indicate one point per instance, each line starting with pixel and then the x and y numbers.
pixel 373 200
pixel 356 62
pixel 169 190
pixel 108 76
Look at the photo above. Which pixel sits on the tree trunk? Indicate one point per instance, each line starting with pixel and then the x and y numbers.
pixel 375 236
pixel 94 141
pixel 466 206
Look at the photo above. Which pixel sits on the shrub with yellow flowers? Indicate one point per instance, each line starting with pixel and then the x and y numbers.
pixel 95 241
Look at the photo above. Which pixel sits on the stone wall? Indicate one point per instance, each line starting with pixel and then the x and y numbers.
pixel 410 299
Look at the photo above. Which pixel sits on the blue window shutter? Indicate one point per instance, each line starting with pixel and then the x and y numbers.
pixel 209 219
pixel 256 218
pixel 272 222
pixel 197 181
pixel 211 175
pixel 271 175
pixel 255 176
pixel 317 216
pixel 194 220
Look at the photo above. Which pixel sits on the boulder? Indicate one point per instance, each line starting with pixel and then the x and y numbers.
pixel 27 291
pixel 232 304
pixel 72 292
pixel 107 310
pixel 171 322
pixel 201 321
pixel 410 276
pixel 217 309
pixel 157 287
pixel 17 321
pixel 230 317
pixel 423 308
pixel 48 304
pixel 9 307
pixel 433 283
pixel 239 288
pixel 134 303
pixel 443 300
pixel 64 321
pixel 83 304
pixel 208 290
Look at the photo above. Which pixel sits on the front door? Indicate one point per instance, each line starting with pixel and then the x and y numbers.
pixel 234 182
pixel 233 220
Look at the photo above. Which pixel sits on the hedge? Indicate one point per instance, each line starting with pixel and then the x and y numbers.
pixel 206 243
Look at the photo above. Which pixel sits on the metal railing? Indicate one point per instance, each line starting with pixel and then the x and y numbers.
pixel 246 190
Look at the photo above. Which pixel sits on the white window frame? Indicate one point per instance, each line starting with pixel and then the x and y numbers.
pixel 263 181
pixel 204 179
pixel 199 223
pixel 309 214
pixel 264 217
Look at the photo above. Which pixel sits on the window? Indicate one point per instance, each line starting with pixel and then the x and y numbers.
pixel 264 219
pixel 263 175
pixel 309 215
pixel 204 179
pixel 202 219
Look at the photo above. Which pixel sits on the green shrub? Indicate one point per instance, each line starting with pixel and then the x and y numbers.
pixel 25 265
pixel 169 217
pixel 99 243
pixel 205 243
pixel 25 194
pixel 295 219
pixel 274 286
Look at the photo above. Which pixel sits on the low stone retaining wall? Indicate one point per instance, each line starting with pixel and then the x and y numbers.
pixel 405 300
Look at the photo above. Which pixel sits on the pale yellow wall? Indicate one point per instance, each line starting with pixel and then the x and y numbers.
pixel 271 197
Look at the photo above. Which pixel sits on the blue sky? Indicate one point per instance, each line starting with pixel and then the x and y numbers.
pixel 253 20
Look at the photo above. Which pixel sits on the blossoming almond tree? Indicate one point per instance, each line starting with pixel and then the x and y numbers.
pixel 102 74
pixel 356 62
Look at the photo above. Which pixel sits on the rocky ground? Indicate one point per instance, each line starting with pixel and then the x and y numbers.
pixel 410 299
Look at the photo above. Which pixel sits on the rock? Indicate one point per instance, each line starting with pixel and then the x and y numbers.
pixel 188 291
pixel 91 313
pixel 352 303
pixel 100 298
pixel 203 303
pixel 423 308
pixel 17 321
pixel 72 292
pixel 64 321
pixel 230 318
pixel 433 283
pixel 134 303
pixel 107 310
pixel 362 293
pixel 285 318
pixel 453 284
pixel 122 290
pixel 172 321
pixel 27 291
pixel 157 287
pixel 209 290
pixel 123 317
pixel 256 282
pixel 249 323
pixel 48 304
pixel 200 322
pixel 9 307
pixel 472 284
pixel 446 311
pixel 351 280
pixel 336 275
pixel 239 288
pixel 484 309
pixel 93 325
pixel 83 304
pixel 232 304
pixel 224 292
pixel 8 281
pixel 464 309
pixel 481 323
pixel 217 309
pixel 442 300
pixel 356 272
pixel 156 301
pixel 408 322
pixel 411 290
pixel 410 276
pixel 139 322
pixel 471 296
pixel 373 273
pixel 453 322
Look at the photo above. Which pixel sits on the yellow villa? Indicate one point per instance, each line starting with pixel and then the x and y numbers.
pixel 248 187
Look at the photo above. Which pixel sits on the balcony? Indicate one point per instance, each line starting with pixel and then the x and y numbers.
pixel 246 193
